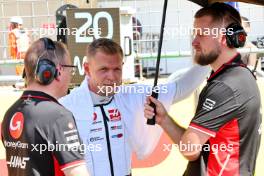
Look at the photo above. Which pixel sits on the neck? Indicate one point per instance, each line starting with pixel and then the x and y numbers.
pixel 223 58
pixel 46 89
pixel 98 98
pixel 95 89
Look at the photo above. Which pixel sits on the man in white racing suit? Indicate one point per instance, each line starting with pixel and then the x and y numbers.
pixel 111 120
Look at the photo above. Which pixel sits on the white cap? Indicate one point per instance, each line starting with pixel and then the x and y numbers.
pixel 16 19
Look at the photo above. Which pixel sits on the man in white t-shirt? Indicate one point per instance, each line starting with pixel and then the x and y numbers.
pixel 18 43
pixel 19 40
pixel 111 119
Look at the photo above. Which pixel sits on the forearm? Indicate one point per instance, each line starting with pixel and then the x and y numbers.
pixel 252 59
pixel 174 130
pixel 189 81
pixel 185 137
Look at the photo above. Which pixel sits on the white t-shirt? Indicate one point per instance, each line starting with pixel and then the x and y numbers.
pixel 22 40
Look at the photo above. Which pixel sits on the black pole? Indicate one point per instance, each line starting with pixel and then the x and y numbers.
pixel 155 91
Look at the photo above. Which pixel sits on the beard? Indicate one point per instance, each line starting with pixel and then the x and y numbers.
pixel 209 58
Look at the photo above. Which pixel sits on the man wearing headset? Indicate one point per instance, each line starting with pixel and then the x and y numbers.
pixel 224 135
pixel 39 134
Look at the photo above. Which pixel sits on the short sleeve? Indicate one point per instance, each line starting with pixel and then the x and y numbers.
pixel 217 105
pixel 66 137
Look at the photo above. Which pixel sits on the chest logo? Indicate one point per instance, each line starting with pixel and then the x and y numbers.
pixel 114 115
pixel 120 135
pixel 94 116
pixel 116 127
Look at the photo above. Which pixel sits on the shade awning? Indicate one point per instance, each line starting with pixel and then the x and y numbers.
pixel 205 3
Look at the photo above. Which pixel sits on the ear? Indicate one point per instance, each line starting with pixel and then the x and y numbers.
pixel 223 40
pixel 58 73
pixel 86 67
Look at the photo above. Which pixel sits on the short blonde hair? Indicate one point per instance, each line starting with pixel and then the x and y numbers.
pixel 104 45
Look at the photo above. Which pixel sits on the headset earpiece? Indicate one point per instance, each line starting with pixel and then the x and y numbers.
pixel 46 70
pixel 235 35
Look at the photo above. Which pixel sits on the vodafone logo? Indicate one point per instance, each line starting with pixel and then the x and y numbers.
pixel 16 125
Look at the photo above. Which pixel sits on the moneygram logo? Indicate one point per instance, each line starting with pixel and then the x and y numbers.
pixel 16 125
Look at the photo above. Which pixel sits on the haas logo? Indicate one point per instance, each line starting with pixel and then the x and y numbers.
pixel 114 114
pixel 16 125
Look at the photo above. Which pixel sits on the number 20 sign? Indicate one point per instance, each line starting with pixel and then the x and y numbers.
pixel 86 25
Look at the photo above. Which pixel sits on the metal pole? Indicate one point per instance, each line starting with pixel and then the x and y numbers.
pixel 155 93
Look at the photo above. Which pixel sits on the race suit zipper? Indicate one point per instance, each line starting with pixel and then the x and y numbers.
pixel 105 118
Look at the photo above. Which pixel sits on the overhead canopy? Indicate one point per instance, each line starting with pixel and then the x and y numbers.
pixel 207 2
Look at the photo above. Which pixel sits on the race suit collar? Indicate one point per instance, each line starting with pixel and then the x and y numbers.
pixel 233 62
pixel 38 95
pixel 98 99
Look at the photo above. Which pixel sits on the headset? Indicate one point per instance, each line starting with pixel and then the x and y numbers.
pixel 235 35
pixel 46 71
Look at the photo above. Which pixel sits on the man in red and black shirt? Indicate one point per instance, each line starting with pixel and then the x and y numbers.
pixel 39 134
pixel 223 138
